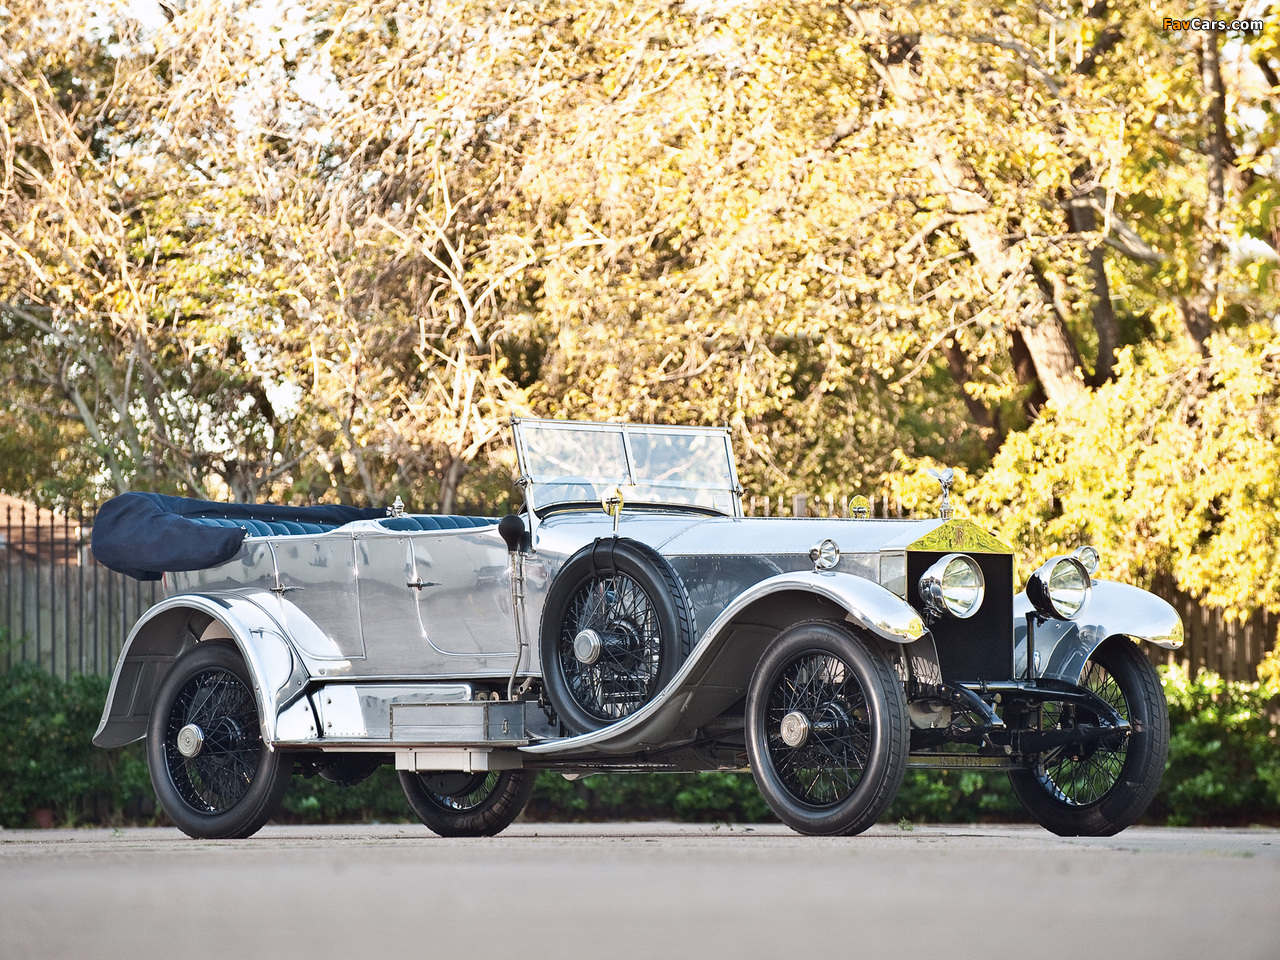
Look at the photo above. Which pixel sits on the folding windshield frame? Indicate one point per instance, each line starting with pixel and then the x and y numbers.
pixel 720 496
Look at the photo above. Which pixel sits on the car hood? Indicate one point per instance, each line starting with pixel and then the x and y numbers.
pixel 687 535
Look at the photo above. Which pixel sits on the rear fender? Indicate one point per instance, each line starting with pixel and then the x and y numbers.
pixel 1063 646
pixel 719 669
pixel 174 626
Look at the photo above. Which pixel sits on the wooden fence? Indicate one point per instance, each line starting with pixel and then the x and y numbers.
pixel 58 607
pixel 1213 641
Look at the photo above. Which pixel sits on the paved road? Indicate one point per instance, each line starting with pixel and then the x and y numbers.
pixel 640 891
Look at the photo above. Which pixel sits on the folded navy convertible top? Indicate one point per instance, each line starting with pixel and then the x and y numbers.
pixel 143 535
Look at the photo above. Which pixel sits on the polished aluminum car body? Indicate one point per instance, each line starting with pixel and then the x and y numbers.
pixel 432 641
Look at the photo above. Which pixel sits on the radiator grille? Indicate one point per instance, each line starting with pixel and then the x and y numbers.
pixel 981 647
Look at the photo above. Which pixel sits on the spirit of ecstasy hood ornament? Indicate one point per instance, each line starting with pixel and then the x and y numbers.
pixel 945 477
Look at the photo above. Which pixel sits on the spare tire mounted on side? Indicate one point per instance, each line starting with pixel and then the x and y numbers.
pixel 616 626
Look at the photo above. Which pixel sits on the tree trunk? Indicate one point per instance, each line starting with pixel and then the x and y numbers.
pixel 1053 352
pixel 958 363
pixel 1197 307
pixel 1025 370
pixel 449 480
pixel 1082 219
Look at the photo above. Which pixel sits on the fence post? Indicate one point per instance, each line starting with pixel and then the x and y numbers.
pixel 97 624
pixel 80 576
pixel 66 589
pixel 8 585
pixel 22 573
pixel 800 505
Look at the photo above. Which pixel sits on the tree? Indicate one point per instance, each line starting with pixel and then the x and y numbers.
pixel 326 255
pixel 118 295
pixel 1189 484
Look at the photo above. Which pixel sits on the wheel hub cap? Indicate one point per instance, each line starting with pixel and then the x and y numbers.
pixel 587 646
pixel 190 740
pixel 795 729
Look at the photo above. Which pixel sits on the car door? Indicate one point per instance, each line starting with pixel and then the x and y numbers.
pixel 435 603
pixel 464 601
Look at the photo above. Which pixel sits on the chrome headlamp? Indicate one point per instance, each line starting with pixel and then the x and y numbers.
pixel 953 587
pixel 825 555
pixel 1088 556
pixel 1060 589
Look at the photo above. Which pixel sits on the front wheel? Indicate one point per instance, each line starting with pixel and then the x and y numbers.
pixel 467 804
pixel 827 730
pixel 1099 789
pixel 212 773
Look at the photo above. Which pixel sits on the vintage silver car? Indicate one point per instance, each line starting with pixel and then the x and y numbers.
pixel 631 618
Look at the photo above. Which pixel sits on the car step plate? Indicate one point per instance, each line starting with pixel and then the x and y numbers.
pixel 477 722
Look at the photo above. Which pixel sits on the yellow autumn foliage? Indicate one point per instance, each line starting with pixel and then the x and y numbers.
pixel 1173 467
pixel 322 249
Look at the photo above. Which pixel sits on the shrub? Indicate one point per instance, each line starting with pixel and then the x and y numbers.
pixel 954 796
pixel 1224 756
pixel 47 759
pixel 1224 768
pixel 315 800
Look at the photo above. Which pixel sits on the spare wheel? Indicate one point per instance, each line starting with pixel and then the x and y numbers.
pixel 616 626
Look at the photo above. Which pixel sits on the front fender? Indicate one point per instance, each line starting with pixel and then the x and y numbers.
pixel 865 603
pixel 1063 646
pixel 176 624
pixel 719 668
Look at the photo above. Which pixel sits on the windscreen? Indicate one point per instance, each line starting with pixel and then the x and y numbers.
pixel 567 462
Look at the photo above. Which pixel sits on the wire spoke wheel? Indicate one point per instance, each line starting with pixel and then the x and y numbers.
pixel 221 706
pixel 212 773
pixel 1100 786
pixel 827 731
pixel 461 791
pixel 616 626
pixel 455 804
pixel 829 764
pixel 624 673
pixel 1079 777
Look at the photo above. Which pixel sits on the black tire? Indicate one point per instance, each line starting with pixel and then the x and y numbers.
pixel 232 784
pixel 1109 785
pixel 628 597
pixel 454 804
pixel 842 762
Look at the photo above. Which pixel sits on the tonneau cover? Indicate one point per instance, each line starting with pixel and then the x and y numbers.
pixel 143 535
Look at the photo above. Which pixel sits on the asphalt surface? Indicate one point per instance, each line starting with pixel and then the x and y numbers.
pixel 640 890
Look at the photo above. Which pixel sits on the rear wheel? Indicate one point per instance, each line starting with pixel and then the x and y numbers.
pixel 456 804
pixel 827 729
pixel 212 773
pixel 1099 789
